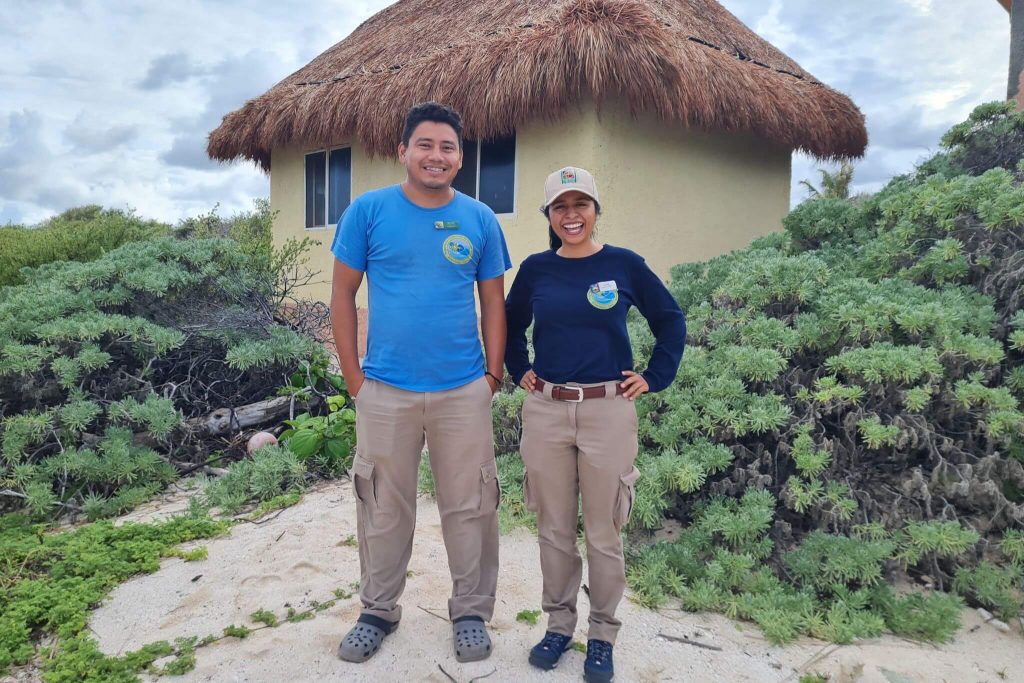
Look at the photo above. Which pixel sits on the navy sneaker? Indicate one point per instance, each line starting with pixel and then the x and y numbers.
pixel 598 668
pixel 546 653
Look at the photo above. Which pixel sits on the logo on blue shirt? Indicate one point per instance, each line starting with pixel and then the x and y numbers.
pixel 602 299
pixel 458 249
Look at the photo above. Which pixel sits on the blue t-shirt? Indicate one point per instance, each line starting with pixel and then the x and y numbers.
pixel 421 266
pixel 578 307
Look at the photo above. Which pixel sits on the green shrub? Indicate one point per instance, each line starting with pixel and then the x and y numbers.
pixel 102 363
pixel 992 137
pixel 993 587
pixel 251 230
pixel 271 472
pixel 80 234
pixel 815 222
pixel 865 368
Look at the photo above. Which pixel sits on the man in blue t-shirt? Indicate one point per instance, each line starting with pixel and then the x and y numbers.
pixel 423 246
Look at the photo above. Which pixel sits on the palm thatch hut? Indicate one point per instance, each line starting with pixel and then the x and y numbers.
pixel 686 117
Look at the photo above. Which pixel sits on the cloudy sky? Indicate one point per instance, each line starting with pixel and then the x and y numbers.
pixel 110 101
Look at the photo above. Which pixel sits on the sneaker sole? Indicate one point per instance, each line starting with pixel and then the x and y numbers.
pixel 473 658
pixel 541 664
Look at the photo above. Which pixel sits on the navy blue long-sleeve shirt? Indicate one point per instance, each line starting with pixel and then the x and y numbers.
pixel 578 307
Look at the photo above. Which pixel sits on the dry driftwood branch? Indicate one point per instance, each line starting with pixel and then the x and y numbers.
pixel 225 420
pixel 433 613
pixel 450 677
pixel 684 639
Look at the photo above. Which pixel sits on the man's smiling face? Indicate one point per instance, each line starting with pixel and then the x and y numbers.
pixel 433 156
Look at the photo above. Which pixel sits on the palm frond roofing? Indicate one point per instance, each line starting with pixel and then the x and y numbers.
pixel 503 63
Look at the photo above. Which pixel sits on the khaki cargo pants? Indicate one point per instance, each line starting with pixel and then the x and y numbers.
pixel 391 424
pixel 570 449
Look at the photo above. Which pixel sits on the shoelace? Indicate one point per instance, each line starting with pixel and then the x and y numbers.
pixel 553 641
pixel 599 651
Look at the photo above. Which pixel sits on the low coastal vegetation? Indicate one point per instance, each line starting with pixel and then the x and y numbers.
pixel 847 415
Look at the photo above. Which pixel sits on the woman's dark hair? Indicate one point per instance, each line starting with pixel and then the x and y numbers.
pixel 553 240
pixel 434 112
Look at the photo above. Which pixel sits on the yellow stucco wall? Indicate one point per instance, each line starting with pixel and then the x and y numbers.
pixel 288 201
pixel 670 194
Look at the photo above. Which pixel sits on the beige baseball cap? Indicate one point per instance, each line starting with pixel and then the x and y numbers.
pixel 568 179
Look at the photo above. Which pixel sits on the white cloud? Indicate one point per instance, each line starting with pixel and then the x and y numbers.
pixel 771 27
pixel 921 6
pixel 111 103
pixel 906 64
pixel 88 135
pixel 168 69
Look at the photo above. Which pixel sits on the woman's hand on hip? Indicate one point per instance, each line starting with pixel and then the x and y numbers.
pixel 529 381
pixel 634 385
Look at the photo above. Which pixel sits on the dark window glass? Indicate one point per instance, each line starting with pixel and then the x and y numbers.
pixel 498 174
pixel 339 177
pixel 316 189
pixel 465 180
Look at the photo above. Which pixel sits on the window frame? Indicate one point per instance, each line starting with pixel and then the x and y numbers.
pixel 515 173
pixel 327 184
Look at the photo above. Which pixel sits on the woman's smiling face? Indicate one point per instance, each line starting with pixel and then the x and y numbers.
pixel 572 217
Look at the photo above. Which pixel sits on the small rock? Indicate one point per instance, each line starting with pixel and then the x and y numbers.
pixel 991 620
pixel 259 440
pixel 894 677
pixel 1000 625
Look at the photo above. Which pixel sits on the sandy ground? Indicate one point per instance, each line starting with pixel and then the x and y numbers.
pixel 301 555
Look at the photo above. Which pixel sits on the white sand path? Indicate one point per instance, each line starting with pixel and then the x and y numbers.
pixel 301 556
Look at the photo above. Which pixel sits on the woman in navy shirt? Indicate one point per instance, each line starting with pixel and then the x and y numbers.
pixel 579 418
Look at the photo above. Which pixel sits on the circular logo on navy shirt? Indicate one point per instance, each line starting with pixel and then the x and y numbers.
pixel 603 300
pixel 458 249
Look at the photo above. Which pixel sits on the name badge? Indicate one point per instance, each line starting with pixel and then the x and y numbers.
pixel 607 286
pixel 446 225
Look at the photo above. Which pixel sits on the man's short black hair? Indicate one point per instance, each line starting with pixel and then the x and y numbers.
pixel 434 112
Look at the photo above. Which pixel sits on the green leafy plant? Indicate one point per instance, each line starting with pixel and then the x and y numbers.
pixel 528 616
pixel 262 616
pixel 50 581
pixel 233 631
pixel 326 442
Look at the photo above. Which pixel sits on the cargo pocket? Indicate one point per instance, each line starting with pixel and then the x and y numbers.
pixel 490 491
pixel 528 497
pixel 363 481
pixel 624 505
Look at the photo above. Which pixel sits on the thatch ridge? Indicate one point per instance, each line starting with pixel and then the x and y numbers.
pixel 503 63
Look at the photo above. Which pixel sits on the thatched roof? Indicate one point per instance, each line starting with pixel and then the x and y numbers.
pixel 502 63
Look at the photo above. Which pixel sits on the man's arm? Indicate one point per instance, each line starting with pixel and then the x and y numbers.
pixel 345 325
pixel 492 326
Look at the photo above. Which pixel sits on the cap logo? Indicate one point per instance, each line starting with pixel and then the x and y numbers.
pixel 568 176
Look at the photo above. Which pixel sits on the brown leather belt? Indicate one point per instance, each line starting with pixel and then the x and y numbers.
pixel 576 394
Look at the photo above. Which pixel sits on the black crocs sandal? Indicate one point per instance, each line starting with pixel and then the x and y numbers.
pixel 471 640
pixel 363 641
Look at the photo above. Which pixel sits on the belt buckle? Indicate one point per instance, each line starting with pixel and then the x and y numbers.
pixel 574 400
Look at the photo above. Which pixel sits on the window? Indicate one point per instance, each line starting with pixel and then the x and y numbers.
pixel 489 172
pixel 328 186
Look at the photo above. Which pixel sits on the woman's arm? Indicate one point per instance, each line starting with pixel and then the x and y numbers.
pixel 518 316
pixel 667 323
